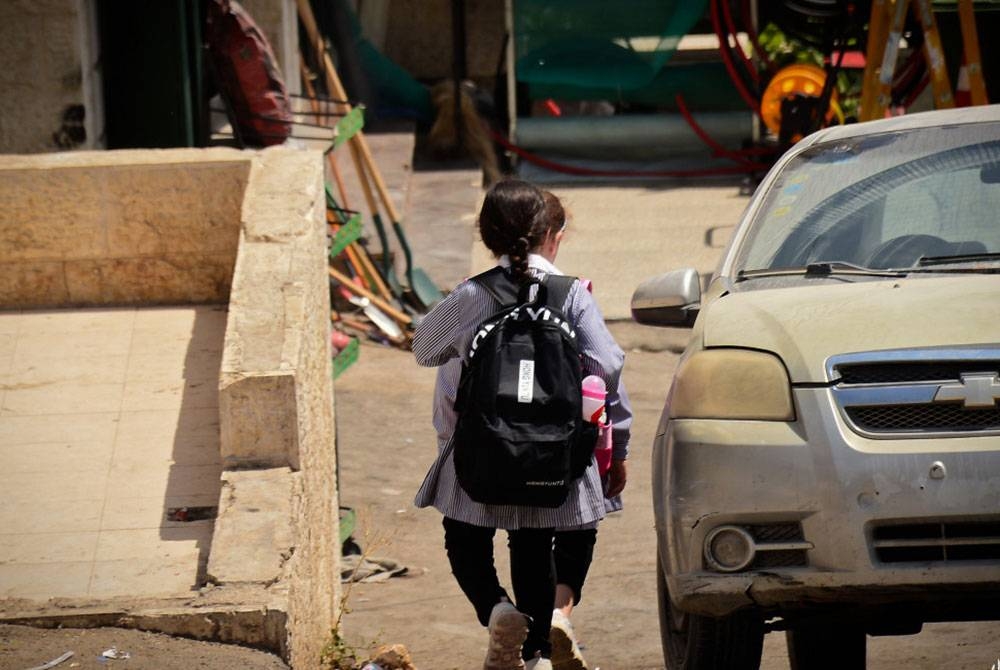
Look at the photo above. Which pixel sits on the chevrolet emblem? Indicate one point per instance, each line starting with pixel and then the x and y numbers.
pixel 977 390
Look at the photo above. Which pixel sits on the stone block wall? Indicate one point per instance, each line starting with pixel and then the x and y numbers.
pixel 276 382
pixel 112 228
pixel 214 225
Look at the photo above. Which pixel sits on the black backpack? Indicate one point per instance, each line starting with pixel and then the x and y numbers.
pixel 520 438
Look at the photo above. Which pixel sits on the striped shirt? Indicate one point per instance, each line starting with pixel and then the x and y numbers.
pixel 442 339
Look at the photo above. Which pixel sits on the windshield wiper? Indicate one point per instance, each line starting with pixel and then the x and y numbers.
pixel 958 258
pixel 824 269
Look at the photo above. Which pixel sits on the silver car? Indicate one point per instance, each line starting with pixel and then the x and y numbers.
pixel 828 459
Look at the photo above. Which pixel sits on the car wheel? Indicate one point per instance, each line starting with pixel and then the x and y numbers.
pixel 826 646
pixel 693 642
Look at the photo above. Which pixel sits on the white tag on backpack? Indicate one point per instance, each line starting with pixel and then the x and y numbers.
pixel 526 381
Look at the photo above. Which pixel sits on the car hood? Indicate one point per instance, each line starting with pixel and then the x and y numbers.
pixel 807 323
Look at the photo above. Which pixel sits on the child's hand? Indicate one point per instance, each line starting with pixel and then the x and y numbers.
pixel 617 476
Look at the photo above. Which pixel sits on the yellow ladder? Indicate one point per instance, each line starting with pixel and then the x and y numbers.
pixel 884 32
pixel 970 44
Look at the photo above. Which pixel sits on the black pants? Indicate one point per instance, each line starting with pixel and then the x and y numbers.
pixel 470 551
pixel 573 553
pixel 532 573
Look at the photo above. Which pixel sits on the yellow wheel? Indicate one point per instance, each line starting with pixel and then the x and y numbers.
pixel 800 79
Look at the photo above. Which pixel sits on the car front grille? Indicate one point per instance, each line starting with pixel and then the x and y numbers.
pixel 952 541
pixel 919 392
pixel 941 417
pixel 895 373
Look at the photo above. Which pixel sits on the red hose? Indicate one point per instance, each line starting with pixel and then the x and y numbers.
pixel 752 34
pixel 731 27
pixel 741 156
pixel 727 61
pixel 590 172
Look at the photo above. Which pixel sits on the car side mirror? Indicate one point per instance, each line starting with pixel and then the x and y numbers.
pixel 671 299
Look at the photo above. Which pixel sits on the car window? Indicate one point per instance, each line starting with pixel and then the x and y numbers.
pixel 955 205
pixel 882 201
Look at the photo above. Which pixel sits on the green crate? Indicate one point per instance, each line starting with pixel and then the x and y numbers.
pixel 347 234
pixel 348 126
pixel 346 357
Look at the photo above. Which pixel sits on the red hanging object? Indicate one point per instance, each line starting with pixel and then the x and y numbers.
pixel 247 74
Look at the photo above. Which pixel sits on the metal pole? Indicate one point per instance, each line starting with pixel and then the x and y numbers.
pixel 511 72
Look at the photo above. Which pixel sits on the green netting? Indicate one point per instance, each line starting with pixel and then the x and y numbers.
pixel 595 43
pixel 705 86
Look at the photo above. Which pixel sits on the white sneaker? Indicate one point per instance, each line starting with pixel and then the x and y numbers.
pixel 538 663
pixel 566 654
pixel 508 629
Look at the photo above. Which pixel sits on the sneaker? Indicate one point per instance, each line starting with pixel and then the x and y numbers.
pixel 538 663
pixel 508 629
pixel 566 654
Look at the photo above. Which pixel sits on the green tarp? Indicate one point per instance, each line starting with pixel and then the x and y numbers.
pixel 598 44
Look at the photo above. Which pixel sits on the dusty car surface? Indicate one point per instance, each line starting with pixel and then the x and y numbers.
pixel 828 458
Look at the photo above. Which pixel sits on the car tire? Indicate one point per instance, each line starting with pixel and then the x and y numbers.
pixel 818 647
pixel 693 642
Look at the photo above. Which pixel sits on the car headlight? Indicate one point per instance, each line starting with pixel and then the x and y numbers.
pixel 732 384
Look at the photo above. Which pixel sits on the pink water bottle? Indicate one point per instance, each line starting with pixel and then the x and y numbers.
pixel 594 392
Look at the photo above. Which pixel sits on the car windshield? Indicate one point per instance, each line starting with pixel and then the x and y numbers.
pixel 890 200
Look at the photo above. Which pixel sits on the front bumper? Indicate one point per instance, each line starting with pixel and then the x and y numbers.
pixel 839 486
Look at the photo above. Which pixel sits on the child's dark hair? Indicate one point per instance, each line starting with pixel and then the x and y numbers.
pixel 555 214
pixel 514 220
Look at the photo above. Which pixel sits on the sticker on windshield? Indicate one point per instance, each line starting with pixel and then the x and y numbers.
pixel 792 189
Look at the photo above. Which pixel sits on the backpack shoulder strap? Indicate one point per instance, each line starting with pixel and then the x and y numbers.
pixel 557 290
pixel 498 284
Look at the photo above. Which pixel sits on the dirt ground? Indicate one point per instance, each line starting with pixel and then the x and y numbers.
pixel 617 620
pixel 22 647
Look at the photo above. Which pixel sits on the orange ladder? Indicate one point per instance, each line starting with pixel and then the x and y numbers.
pixel 885 30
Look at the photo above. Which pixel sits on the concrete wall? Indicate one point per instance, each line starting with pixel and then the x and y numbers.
pixel 46 50
pixel 418 37
pixel 276 394
pixel 282 239
pixel 105 228
pixel 40 75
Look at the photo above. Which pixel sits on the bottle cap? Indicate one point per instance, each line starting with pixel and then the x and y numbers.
pixel 593 387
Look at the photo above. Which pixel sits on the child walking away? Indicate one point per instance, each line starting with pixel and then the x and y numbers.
pixel 514 226
pixel 574 545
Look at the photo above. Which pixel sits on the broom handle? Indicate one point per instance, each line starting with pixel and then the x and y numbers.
pixel 337 91
pixel 369 266
pixel 366 262
pixel 366 187
pixel 346 282
pixel 331 159
pixel 333 84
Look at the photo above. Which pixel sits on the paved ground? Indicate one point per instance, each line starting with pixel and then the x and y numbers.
pixel 108 420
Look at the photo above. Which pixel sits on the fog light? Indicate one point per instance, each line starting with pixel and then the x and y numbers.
pixel 729 549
